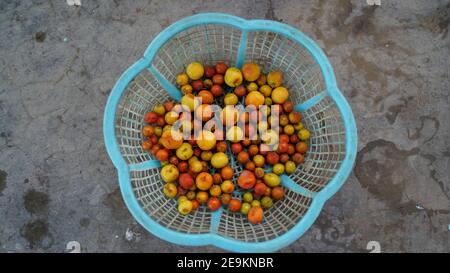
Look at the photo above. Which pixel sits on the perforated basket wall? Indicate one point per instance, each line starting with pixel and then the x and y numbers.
pixel 209 38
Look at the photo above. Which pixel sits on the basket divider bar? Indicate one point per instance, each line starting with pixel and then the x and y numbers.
pixel 146 165
pixel 290 184
pixel 241 51
pixel 310 102
pixel 171 89
pixel 215 220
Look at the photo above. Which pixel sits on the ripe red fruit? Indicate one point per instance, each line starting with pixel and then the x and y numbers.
pixel 161 121
pixel 155 148
pixel 147 145
pixel 298 158
pixel 151 117
pixel 216 89
pixel 260 189
pixel 221 68
pixel 221 146
pixel 301 147
pixel 218 79
pixel 246 180
pixel 234 205
pixel 205 166
pixel 148 130
pixel 243 157
pixel 197 151
pixel 255 215
pixel 213 203
pixel 284 138
pixel 194 204
pixel 291 149
pixel 217 178
pixel 236 148
pixel 225 198
pixel 240 91
pixel 272 158
pixel 284 158
pixel 183 166
pixel 288 106
pixel 245 142
pixel 227 173
pixel 253 150
pixel 277 193
pixel 181 191
pixel 283 148
pixel 209 71
pixel 295 117
pixel 294 139
pixel 197 85
pixel 259 172
pixel 174 160
pixel 186 181
pixel 206 96
pixel 168 105
pixel 207 83
pixel 250 166
pixel 154 139
pixel 162 155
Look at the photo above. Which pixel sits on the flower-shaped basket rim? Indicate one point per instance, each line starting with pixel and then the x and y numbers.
pixel 212 238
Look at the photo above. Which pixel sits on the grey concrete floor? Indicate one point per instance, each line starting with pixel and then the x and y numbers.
pixel 58 64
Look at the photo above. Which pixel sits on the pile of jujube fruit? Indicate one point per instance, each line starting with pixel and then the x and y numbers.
pixel 197 169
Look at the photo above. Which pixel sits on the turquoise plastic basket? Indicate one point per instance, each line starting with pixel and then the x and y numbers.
pixel 209 38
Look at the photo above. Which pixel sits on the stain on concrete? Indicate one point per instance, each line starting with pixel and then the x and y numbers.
pixel 371 71
pixel 36 201
pixel 429 125
pixel 43 179
pixel 394 110
pixel 5 134
pixel 433 173
pixel 362 24
pixel 85 222
pixel 270 13
pixel 37 234
pixel 397 73
pixel 446 153
pixel 115 202
pixel 438 21
pixel 40 36
pixel 393 49
pixel 3 176
pixel 381 168
pixel 316 13
pixel 120 18
pixel 343 10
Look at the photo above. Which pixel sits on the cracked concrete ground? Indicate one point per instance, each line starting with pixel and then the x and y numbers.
pixel 58 64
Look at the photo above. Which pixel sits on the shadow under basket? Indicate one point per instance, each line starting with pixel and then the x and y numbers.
pixel 209 38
